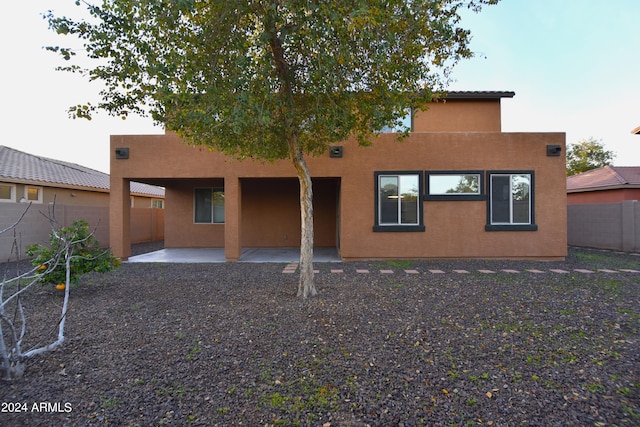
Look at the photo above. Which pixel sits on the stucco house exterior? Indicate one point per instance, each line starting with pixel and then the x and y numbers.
pixel 456 187
pixel 29 184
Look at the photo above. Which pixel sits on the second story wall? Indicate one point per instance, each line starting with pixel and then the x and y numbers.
pixel 457 115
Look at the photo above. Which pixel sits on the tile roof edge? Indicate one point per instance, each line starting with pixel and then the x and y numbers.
pixel 478 94
pixel 77 166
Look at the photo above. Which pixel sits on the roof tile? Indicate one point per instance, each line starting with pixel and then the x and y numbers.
pixel 17 165
pixel 605 177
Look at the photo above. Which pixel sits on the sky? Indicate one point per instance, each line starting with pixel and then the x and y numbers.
pixel 573 65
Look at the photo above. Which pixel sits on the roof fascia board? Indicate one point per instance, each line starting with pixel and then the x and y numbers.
pixel 610 187
pixel 479 94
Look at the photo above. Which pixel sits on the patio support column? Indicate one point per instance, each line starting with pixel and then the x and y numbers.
pixel 120 217
pixel 232 219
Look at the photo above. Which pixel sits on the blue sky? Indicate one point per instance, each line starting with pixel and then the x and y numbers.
pixel 573 64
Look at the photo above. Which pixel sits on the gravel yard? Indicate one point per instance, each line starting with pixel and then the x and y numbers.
pixel 401 345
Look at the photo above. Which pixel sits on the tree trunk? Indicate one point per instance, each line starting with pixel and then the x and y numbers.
pixel 306 286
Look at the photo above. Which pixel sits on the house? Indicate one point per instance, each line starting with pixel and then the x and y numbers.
pixel 29 178
pixel 79 193
pixel 456 187
pixel 608 184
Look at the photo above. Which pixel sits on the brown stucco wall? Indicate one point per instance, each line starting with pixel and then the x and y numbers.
pixel 271 212
pixel 459 115
pixel 183 232
pixel 453 229
pixel 147 225
pixel 456 228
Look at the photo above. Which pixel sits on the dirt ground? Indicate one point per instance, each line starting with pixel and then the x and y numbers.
pixel 231 344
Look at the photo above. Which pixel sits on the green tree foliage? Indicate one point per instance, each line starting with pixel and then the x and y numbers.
pixel 85 255
pixel 586 155
pixel 276 79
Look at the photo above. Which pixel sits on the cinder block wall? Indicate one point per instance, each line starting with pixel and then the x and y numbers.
pixel 35 228
pixel 606 225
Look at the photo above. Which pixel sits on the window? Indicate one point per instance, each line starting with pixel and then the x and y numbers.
pixel 455 185
pixel 208 206
pixel 398 201
pixel 403 124
pixel 7 193
pixel 33 194
pixel 511 200
pixel 157 203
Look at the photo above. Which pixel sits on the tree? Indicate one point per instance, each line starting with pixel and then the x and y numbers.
pixel 267 80
pixel 73 252
pixel 586 155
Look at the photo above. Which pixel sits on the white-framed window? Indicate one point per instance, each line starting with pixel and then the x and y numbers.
pixel 398 201
pixel 33 194
pixel 157 203
pixel 208 206
pixel 455 185
pixel 511 201
pixel 7 193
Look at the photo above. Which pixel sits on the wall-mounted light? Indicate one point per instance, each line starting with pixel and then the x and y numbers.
pixel 554 150
pixel 122 153
pixel 336 151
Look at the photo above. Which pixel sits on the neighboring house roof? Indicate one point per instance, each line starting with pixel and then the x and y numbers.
pixel 479 94
pixel 636 131
pixel 605 178
pixel 19 167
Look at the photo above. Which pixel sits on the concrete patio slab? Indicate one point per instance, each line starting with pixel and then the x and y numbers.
pixel 216 255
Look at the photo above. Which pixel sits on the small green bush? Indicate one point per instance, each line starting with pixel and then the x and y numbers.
pixel 85 254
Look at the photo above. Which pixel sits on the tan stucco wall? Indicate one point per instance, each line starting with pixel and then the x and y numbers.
pixel 65 196
pixel 453 135
pixel 459 115
pixel 76 197
pixel 457 228
pixel 183 232
pixel 453 229
pixel 265 226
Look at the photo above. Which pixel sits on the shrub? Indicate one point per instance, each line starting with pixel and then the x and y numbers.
pixel 85 254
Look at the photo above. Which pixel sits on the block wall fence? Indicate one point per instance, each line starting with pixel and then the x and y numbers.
pixel 147 224
pixel 613 226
